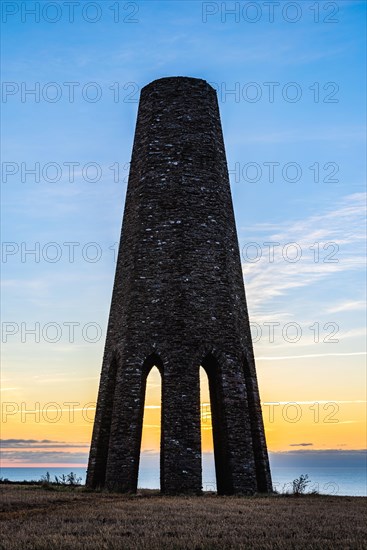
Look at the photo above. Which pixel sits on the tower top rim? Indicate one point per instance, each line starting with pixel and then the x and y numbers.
pixel 182 79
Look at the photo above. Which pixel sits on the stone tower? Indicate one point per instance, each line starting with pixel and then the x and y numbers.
pixel 179 303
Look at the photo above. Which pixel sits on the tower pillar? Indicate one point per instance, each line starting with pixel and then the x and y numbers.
pixel 181 441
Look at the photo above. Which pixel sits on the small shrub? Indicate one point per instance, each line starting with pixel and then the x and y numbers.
pixel 70 480
pixel 46 479
pixel 300 484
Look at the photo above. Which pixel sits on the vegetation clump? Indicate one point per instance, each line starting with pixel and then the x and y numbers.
pixel 300 484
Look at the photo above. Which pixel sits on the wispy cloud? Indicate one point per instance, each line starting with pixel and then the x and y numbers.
pixel 38 444
pixel 348 306
pixel 271 277
pixel 46 457
pixel 42 451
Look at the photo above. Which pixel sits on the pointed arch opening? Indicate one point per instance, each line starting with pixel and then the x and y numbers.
pixel 150 444
pixel 209 482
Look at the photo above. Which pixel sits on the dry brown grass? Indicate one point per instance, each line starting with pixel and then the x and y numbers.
pixel 36 518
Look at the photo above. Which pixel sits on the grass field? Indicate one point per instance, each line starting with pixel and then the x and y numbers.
pixel 37 518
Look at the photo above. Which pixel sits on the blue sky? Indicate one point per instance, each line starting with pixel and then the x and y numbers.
pixel 323 62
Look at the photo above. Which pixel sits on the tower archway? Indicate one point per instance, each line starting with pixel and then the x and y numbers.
pixel 151 416
pixel 149 462
pixel 207 445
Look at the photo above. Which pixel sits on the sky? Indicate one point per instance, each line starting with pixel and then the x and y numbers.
pixel 290 83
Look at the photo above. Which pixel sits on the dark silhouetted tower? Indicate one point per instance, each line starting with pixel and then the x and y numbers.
pixel 179 303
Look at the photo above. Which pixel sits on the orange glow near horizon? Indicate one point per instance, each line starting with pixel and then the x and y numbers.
pixel 333 420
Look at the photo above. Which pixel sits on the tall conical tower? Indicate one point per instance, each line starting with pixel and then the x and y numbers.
pixel 179 302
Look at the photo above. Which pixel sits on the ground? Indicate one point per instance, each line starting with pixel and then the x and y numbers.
pixel 39 518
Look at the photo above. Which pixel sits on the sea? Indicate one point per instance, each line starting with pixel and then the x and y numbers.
pixel 335 475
